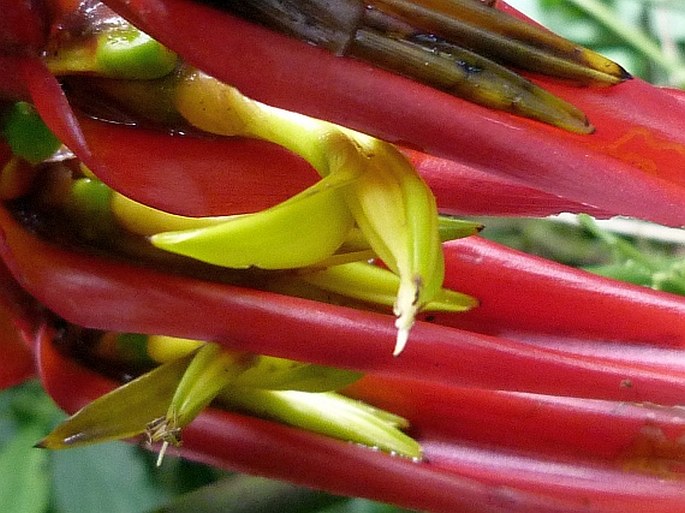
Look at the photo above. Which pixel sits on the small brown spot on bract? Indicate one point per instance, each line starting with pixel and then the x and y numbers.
pixel 626 383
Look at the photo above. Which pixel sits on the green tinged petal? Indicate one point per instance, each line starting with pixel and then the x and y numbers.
pixel 211 370
pixel 122 413
pixel 373 284
pixel 131 53
pixel 300 232
pixel 366 182
pixel 271 373
pixel 163 401
pixel 396 212
pixel 328 414
pixel 143 220
pixel 122 52
pixel 259 371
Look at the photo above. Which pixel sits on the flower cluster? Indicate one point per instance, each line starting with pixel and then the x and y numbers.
pixel 534 388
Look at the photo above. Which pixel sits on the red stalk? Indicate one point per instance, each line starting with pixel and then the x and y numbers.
pixel 106 294
pixel 562 427
pixel 186 184
pixel 520 292
pixel 461 474
pixel 18 360
pixel 19 318
pixel 597 170
pixel 15 330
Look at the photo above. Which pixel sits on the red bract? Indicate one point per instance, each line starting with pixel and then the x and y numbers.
pixel 526 461
pixel 632 164
pixel 191 175
pixel 187 175
pixel 124 297
pixel 462 189
pixel 540 400
pixel 19 318
pixel 23 26
pixel 561 301
pixel 187 185
pixel 17 322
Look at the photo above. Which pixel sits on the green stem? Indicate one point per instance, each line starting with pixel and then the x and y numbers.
pixel 630 34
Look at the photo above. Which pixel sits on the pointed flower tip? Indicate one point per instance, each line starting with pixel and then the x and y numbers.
pixel 406 315
pixel 625 75
pixel 59 439
pixel 575 122
pixel 401 341
pixel 589 128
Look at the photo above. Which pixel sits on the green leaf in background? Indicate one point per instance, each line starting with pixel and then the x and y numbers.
pixel 249 494
pixel 363 506
pixel 646 36
pixel 25 415
pixel 108 478
pixel 25 483
pixel 113 478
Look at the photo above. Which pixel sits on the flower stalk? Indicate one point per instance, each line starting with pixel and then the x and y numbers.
pixel 163 401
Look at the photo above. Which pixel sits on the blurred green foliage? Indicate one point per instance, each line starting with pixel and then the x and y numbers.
pixel 83 480
pixel 646 36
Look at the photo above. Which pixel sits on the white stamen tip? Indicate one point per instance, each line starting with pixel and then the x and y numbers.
pixel 406 307
pixel 162 452
pixel 401 341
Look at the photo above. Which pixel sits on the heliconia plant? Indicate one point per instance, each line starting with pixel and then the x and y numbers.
pixel 245 214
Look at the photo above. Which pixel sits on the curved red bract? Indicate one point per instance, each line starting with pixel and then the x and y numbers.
pixel 20 317
pixel 23 25
pixel 192 175
pixel 17 359
pixel 186 184
pixel 557 299
pixel 450 479
pixel 626 166
pixel 128 298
